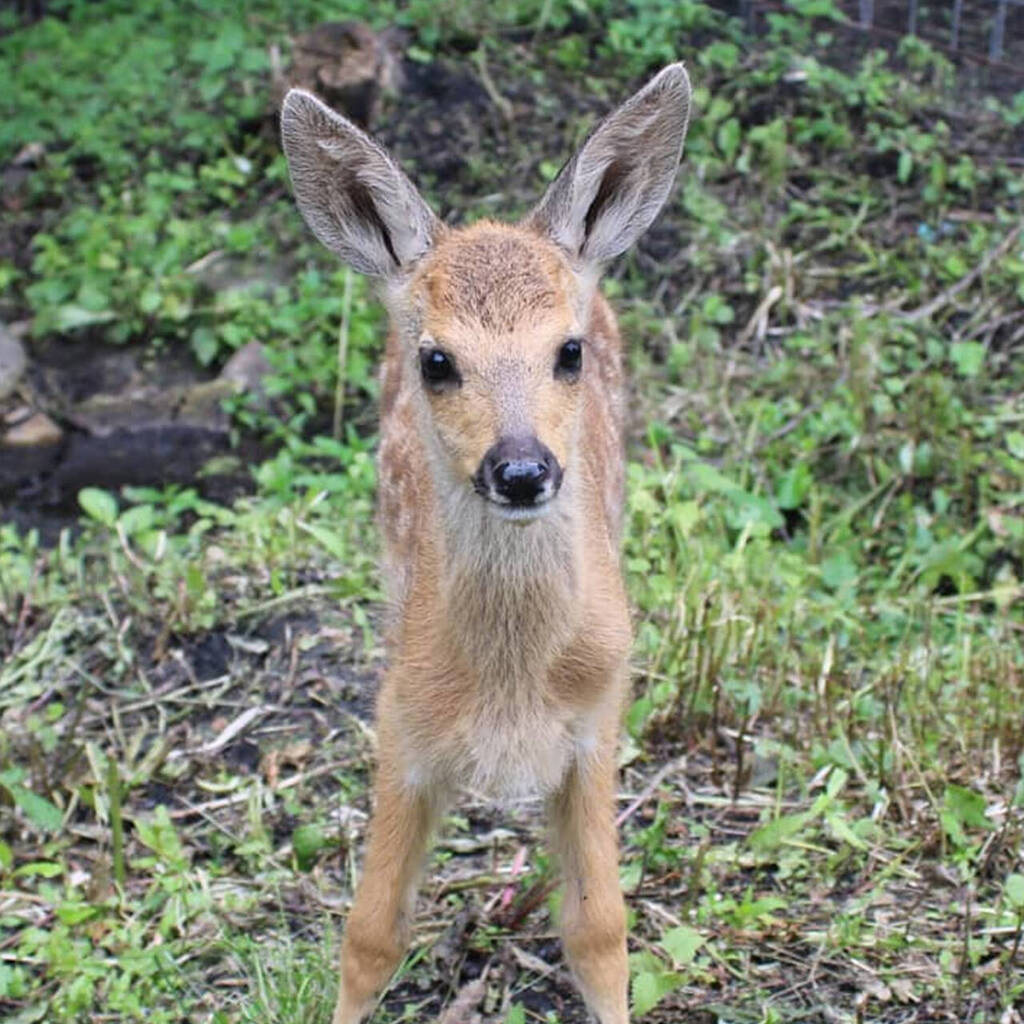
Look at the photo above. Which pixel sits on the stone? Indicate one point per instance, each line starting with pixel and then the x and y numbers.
pixel 35 432
pixel 247 368
pixel 13 362
pixel 347 64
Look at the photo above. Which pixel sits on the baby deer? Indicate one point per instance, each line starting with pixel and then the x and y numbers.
pixel 501 504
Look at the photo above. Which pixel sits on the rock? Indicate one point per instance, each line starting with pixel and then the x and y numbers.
pixel 30 155
pixel 17 173
pixel 202 406
pixel 38 430
pixel 247 368
pixel 13 362
pixel 347 64
pixel 220 272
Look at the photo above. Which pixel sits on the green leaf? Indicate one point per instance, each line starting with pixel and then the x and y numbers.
pixel 682 944
pixel 729 139
pixel 137 520
pixel 40 811
pixel 40 869
pixel 332 542
pixel 70 316
pixel 205 345
pixel 793 486
pixel 842 831
pixel 650 987
pixel 838 571
pixel 774 833
pixel 160 836
pixel 307 842
pixel 684 517
pixel 516 1014
pixel 968 357
pixel 99 505
pixel 967 807
pixel 905 168
pixel 1014 891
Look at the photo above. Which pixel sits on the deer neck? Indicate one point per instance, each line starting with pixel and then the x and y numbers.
pixel 511 590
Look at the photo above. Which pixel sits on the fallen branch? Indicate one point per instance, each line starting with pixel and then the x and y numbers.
pixel 950 293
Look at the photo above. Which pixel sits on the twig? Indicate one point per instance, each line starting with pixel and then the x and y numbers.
pixel 339 389
pixel 944 297
pixel 503 105
pixel 758 322
pixel 461 1010
pixel 648 790
pixel 246 794
pixel 116 820
pixel 228 733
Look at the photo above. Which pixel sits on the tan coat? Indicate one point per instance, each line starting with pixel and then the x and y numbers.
pixel 501 505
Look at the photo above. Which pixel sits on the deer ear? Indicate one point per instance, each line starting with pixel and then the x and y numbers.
pixel 350 192
pixel 608 194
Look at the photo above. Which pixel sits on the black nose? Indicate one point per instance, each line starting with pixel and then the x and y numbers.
pixel 520 471
pixel 520 480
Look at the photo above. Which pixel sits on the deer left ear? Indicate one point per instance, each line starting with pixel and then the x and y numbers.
pixel 351 193
pixel 608 194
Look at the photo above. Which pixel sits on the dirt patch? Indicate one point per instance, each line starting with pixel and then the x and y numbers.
pixel 123 417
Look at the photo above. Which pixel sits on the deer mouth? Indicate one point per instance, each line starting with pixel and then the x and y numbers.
pixel 522 513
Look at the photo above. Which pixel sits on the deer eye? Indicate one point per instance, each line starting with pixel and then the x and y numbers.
pixel 437 367
pixel 570 359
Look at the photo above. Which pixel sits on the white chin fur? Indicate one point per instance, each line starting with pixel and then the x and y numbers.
pixel 521 513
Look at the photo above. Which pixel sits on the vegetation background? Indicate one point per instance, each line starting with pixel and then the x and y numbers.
pixel 822 801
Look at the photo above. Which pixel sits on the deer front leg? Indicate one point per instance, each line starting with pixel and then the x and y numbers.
pixel 378 927
pixel 593 912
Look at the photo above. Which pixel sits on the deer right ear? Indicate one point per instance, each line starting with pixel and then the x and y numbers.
pixel 350 192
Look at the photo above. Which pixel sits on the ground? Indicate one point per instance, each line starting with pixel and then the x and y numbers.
pixel 821 799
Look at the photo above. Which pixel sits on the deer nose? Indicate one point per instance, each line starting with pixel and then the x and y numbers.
pixel 520 480
pixel 519 471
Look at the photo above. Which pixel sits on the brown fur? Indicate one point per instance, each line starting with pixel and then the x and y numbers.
pixel 509 655
pixel 509 638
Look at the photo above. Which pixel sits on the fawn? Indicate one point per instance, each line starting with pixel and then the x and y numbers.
pixel 501 503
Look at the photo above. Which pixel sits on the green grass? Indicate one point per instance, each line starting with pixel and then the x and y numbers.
pixel 823 772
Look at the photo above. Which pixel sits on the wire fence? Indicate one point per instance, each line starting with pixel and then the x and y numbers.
pixel 960 25
pixel 985 32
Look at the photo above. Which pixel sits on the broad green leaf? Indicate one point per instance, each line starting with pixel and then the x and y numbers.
pixel 69 317
pixel 793 486
pixel 968 357
pixel 650 987
pixel 98 504
pixel 40 811
pixel 838 571
pixel 516 1014
pixel 774 833
pixel 137 519
pixel 682 944
pixel 842 831
pixel 967 807
pixel 307 842
pixel 905 168
pixel 685 516
pixel 40 869
pixel 1014 890
pixel 332 542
